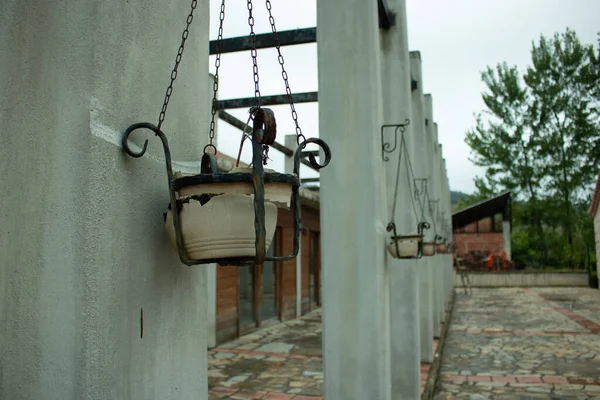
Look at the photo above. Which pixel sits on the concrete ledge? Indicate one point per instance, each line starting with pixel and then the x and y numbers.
pixel 524 279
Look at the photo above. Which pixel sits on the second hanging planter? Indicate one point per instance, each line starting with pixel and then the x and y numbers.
pixel 406 246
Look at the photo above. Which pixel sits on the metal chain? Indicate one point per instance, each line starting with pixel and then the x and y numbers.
pixel 253 53
pixel 211 132
pixel 184 36
pixel 433 213
pixel 427 200
pixel 403 150
pixel 410 173
pixel 284 75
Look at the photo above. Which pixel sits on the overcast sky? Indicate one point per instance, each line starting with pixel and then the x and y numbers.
pixel 457 40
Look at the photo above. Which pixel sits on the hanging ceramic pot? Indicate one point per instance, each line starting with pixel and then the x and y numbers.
pixel 217 220
pixel 429 249
pixel 405 246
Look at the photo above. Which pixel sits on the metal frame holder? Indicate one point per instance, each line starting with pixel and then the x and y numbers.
pixel 420 227
pixel 263 135
pixel 210 175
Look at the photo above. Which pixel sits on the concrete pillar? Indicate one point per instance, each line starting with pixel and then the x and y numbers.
pixel 426 303
pixel 448 261
pixel 506 238
pixel 95 302
pixel 211 270
pixel 442 266
pixel 211 305
pixel 404 296
pixel 291 142
pixel 356 342
pixel 437 275
pixel 438 196
pixel 451 259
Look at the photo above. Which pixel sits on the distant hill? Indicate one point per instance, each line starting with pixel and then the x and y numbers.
pixel 455 197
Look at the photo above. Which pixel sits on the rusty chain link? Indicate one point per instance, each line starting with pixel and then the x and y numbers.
pixel 211 133
pixel 284 75
pixel 253 54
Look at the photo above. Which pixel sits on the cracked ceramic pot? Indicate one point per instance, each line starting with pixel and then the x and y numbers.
pixel 428 249
pixel 407 245
pixel 217 220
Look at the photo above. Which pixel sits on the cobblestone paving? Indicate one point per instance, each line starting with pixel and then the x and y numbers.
pixel 541 343
pixel 276 363
pixel 280 362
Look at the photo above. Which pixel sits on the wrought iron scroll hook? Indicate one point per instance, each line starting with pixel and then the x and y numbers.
pixel 392 228
pixel 157 132
pixel 173 199
pixel 422 226
pixel 420 189
pixel 312 159
pixel 387 147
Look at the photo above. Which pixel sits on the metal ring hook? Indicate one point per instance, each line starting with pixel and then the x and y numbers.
pixel 312 159
pixel 129 131
pixel 422 226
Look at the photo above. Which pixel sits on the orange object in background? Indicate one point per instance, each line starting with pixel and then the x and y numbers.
pixel 504 260
pixel 489 261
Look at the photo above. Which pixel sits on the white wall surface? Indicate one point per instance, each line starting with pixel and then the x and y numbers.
pixel 82 248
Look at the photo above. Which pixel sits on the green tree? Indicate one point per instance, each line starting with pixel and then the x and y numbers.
pixel 506 142
pixel 564 79
pixel 539 137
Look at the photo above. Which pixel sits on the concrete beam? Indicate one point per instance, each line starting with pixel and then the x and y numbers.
pixel 264 41
pixel 247 102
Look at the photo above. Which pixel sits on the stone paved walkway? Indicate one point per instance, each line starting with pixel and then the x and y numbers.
pixel 280 362
pixel 276 363
pixel 541 343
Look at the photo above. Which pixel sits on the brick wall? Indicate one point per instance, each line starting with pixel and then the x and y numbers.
pixel 288 277
pixel 228 277
pixel 227 303
pixel 485 242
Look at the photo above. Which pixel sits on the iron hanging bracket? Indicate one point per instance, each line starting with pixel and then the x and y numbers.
pixel 423 182
pixel 172 195
pixel 385 147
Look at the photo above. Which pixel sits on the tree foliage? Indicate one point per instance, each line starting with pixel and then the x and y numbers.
pixel 539 137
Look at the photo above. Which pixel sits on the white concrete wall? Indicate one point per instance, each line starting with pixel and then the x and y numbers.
pixel 525 279
pixel 211 305
pixel 82 248
pixel 427 312
pixel 448 264
pixel 403 273
pixel 436 265
pixel 356 341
